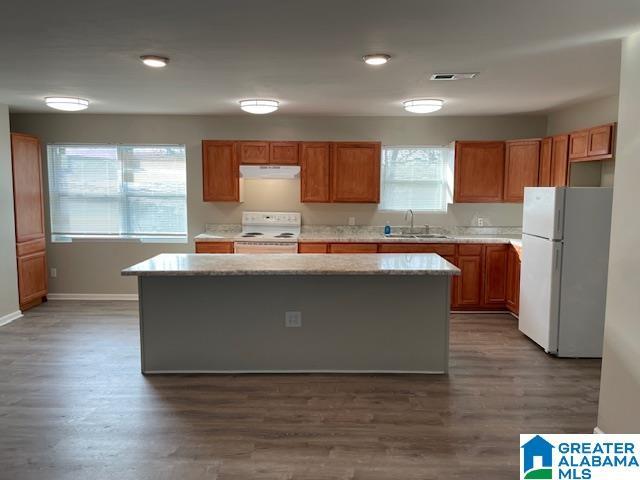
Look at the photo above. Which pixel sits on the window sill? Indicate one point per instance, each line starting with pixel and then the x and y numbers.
pixel 114 239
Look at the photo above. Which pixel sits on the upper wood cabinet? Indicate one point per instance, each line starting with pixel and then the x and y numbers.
pixel 27 187
pixel 315 161
pixel 283 153
pixel 220 172
pixel 479 172
pixel 544 175
pixel 601 141
pixel 355 172
pixel 253 153
pixel 595 143
pixel 559 161
pixel 522 164
pixel 578 144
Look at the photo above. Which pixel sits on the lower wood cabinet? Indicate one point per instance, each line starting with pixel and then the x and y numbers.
pixel 32 279
pixel 214 247
pixel 513 280
pixel 495 275
pixel 353 248
pixel 469 288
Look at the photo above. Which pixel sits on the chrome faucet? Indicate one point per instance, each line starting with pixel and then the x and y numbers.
pixel 409 213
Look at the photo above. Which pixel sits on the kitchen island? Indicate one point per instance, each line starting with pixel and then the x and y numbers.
pixel 239 313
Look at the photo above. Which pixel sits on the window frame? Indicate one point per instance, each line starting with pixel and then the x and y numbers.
pixel 447 181
pixel 122 199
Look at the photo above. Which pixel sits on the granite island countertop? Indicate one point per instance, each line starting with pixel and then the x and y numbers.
pixel 170 264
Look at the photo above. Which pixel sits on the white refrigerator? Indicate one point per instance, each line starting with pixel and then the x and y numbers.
pixel 565 257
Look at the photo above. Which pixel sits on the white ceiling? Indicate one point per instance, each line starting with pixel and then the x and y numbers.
pixel 532 55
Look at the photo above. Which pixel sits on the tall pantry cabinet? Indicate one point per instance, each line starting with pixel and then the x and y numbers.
pixel 29 220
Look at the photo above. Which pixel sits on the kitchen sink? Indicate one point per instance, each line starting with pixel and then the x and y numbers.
pixel 415 235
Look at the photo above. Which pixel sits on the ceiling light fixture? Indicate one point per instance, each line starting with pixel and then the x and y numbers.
pixel 154 61
pixel 68 104
pixel 423 105
pixel 259 106
pixel 376 59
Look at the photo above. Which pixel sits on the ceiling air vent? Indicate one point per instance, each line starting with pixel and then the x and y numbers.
pixel 454 76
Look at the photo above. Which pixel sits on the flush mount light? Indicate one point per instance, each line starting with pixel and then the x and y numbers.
pixel 68 104
pixel 154 61
pixel 376 59
pixel 259 106
pixel 423 105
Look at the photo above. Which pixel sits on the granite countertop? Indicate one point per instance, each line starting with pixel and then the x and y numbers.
pixel 171 264
pixel 343 234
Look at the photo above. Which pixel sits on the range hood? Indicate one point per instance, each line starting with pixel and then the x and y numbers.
pixel 270 171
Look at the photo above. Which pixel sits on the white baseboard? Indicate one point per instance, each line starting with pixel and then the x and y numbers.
pixel 10 317
pixel 597 431
pixel 93 296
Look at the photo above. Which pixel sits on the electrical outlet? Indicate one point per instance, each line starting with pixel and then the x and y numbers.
pixel 292 319
pixel 480 222
pixel 352 220
pixel 53 272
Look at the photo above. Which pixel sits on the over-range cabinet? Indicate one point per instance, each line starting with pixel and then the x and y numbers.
pixel 29 220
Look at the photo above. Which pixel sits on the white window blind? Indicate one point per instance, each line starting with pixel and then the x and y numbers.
pixel 417 178
pixel 118 191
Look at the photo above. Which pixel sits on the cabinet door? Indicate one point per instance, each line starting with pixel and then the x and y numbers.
pixel 353 248
pixel 600 140
pixel 27 187
pixel 253 153
pixel 315 159
pixel 495 275
pixel 312 248
pixel 559 161
pixel 544 176
pixel 513 280
pixel 214 247
pixel 355 172
pixel 32 277
pixel 578 144
pixel 220 174
pixel 522 163
pixel 469 291
pixel 479 172
pixel 283 153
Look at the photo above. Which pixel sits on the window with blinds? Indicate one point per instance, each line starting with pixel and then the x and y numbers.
pixel 417 178
pixel 118 191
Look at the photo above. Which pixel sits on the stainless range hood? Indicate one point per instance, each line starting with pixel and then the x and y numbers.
pixel 270 171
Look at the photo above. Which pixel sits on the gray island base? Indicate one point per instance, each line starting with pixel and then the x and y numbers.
pixel 359 313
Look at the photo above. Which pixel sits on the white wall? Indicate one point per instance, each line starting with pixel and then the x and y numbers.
pixel 8 273
pixel 582 115
pixel 619 410
pixel 94 267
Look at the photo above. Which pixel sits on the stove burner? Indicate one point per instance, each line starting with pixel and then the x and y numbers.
pixel 285 235
pixel 251 234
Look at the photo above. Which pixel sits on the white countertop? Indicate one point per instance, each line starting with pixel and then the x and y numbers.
pixel 170 264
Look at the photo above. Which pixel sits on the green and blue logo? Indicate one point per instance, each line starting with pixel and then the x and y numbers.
pixel 537 461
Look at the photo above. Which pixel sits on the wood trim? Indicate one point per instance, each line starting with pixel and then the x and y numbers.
pixel 593 158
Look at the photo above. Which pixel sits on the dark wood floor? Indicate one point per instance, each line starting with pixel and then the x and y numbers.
pixel 73 405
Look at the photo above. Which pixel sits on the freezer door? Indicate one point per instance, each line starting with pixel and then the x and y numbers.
pixel 540 291
pixel 543 210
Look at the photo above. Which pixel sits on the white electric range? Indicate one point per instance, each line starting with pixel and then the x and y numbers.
pixel 268 232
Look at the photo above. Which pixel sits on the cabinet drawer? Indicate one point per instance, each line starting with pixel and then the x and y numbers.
pixel 470 249
pixel 439 248
pixel 214 247
pixel 312 248
pixel 353 248
pixel 32 246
